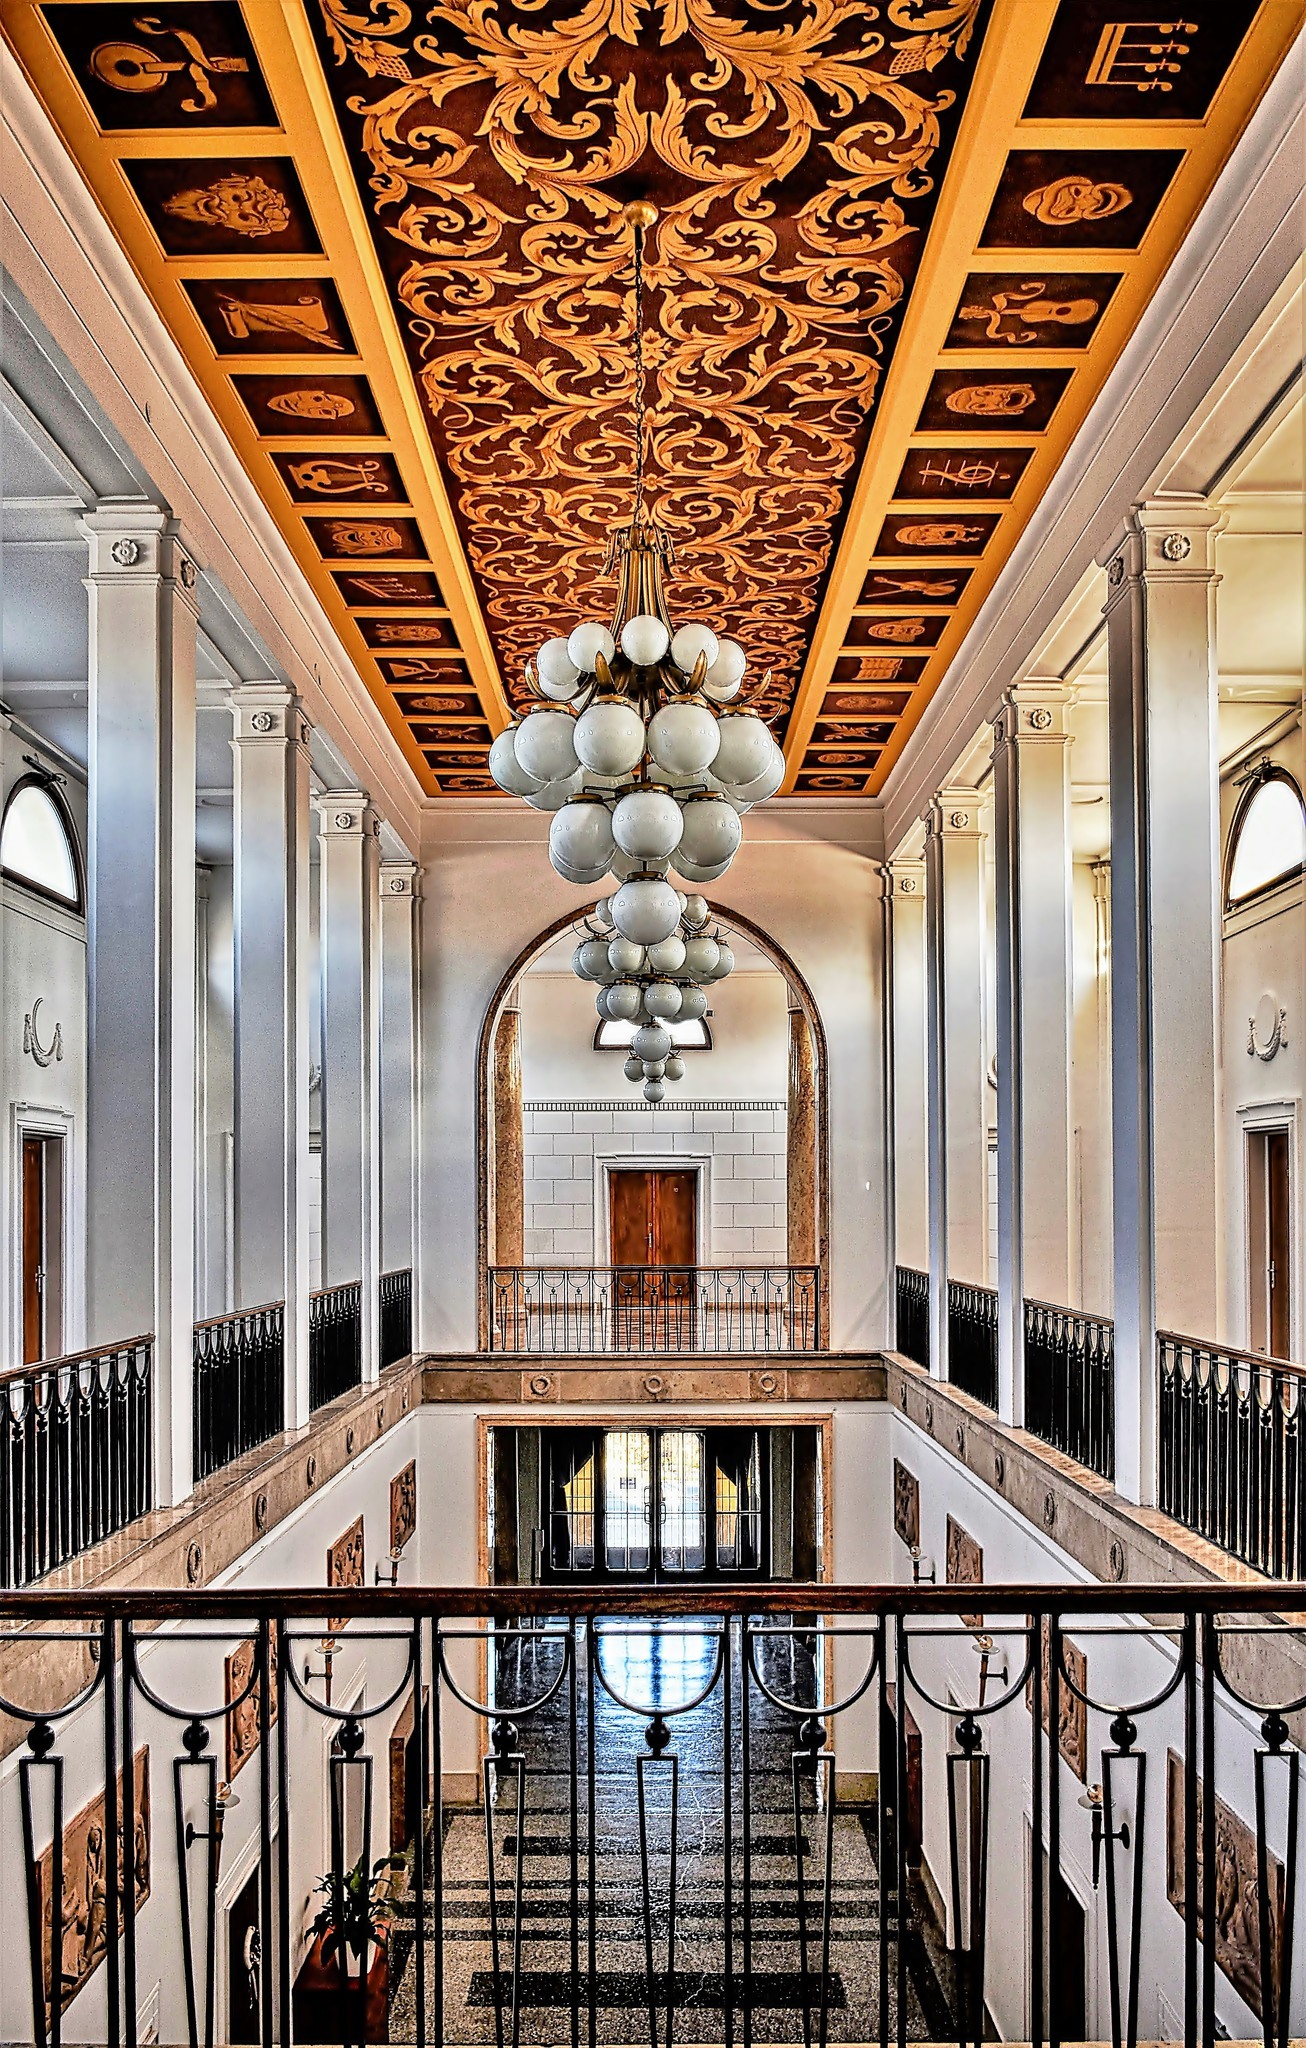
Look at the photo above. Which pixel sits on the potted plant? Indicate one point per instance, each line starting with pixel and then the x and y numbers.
pixel 352 1922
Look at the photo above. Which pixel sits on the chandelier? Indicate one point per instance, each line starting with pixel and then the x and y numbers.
pixel 654 987
pixel 629 743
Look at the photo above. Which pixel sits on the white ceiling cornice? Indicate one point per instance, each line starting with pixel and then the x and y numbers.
pixel 65 260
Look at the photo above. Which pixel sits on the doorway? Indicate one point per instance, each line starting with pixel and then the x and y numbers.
pixel 653 1216
pixel 1269 1235
pixel 244 1963
pixel 42 1245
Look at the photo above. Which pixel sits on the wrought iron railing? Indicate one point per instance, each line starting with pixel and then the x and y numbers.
pixel 973 1340
pixel 335 1342
pixel 76 1455
pixel 1070 1383
pixel 239 1375
pixel 396 1316
pixel 1232 1451
pixel 912 1331
pixel 587 1309
pixel 652 1833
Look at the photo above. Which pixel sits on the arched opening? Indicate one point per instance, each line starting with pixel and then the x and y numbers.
pixel 37 847
pixel 540 1015
pixel 1267 843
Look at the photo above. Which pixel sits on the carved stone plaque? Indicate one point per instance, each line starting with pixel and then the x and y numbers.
pixel 344 1567
pixel 1237 1885
pixel 82 1936
pixel 965 1564
pixel 403 1505
pixel 1072 1714
pixel 242 1722
pixel 906 1504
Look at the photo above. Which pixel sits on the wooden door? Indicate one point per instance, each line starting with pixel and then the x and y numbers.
pixel 654 1240
pixel 33 1227
pixel 1278 1194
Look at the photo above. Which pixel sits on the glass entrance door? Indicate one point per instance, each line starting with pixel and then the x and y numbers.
pixel 654 1504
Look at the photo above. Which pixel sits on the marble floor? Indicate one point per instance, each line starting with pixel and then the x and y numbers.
pixel 565 1955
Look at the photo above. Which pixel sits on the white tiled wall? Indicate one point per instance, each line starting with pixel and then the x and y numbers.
pixel 739 1145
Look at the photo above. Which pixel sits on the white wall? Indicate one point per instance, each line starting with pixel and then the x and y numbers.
pixel 806 874
pixel 749 1057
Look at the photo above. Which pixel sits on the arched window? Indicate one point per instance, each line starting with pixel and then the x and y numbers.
pixel 36 842
pixel 1268 841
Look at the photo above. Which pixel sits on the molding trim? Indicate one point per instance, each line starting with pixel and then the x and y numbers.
pixel 597 1102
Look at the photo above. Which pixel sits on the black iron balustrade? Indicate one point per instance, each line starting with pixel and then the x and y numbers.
pixel 76 1455
pixel 973 1340
pixel 1070 1383
pixel 582 1310
pixel 335 1342
pixel 1232 1451
pixel 653 1814
pixel 912 1331
pixel 396 1316
pixel 239 1384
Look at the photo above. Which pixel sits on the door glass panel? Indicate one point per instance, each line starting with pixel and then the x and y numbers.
pixel 680 1473
pixel 571 1514
pixel 627 1487
pixel 738 1501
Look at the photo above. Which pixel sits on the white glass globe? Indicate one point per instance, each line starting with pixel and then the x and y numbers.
pixel 653 1091
pixel 729 665
pixel 674 1068
pixel 587 642
pixel 551 796
pixel 546 745
pixel 746 748
pixel 712 831
pixel 624 956
pixel 581 835
pixel 591 960
pixel 696 911
pixel 668 957
pixel 556 670
pixel 721 693
pixel 633 1069
pixel 683 738
pixel 653 1070
pixel 692 871
pixel 609 736
pixel 662 999
pixel 603 911
pixel 646 911
pixel 651 1042
pixel 580 878
pixel 693 1005
pixel 506 769
pixel 691 641
pixel 644 640
pixel 664 780
pixel 701 956
pixel 725 963
pixel 647 822
pixel 623 1001
pixel 764 785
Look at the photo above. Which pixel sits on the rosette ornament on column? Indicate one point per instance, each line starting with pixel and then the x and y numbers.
pixel 630 743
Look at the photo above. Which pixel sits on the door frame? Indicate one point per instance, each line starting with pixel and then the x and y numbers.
pixel 37 1120
pixel 608 1163
pixel 1278 1113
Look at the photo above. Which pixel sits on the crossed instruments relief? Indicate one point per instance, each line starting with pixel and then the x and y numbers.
pixel 793 156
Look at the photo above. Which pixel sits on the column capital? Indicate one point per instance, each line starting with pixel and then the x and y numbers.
pixel 399 878
pixel 906 875
pixel 954 813
pixel 346 814
pixel 1164 538
pixel 267 711
pixel 130 540
pixel 1033 710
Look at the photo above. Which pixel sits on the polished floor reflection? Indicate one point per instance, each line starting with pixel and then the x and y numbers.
pixel 651 1908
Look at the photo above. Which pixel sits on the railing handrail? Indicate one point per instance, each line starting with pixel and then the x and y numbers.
pixel 90 1356
pixel 1210 1347
pixel 1078 1315
pixel 341 1287
pixel 396 1272
pixel 238 1315
pixel 704 1266
pixel 310 1603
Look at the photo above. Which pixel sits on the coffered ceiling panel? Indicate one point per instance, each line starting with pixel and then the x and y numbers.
pixel 898 248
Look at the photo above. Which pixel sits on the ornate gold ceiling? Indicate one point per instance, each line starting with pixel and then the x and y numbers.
pixel 899 247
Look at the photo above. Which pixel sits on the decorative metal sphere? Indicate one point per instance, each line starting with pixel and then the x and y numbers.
pixel 506 769
pixel 646 911
pixel 647 823
pixel 546 745
pixel 683 738
pixel 609 736
pixel 587 642
pixel 644 640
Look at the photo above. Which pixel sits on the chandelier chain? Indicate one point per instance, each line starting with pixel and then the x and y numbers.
pixel 639 405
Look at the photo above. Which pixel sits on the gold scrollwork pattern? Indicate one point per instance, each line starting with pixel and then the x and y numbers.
pixel 793 154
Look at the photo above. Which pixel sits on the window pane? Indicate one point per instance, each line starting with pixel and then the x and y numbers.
pixel 627 1481
pixel 681 1476
pixel 1271 840
pixel 619 1032
pixel 34 844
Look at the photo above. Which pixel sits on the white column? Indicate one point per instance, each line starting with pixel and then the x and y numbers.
pixel 398 1064
pixel 349 891
pixel 954 954
pixel 1165 865
pixel 270 936
pixel 910 1132
pixel 141 957
pixel 1031 780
